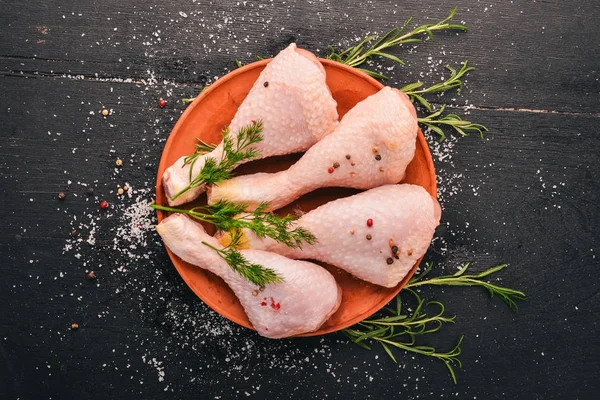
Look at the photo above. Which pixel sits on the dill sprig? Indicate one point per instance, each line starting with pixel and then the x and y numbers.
pixel 392 327
pixel 201 148
pixel 356 56
pixel 509 296
pixel 215 171
pixel 253 273
pixel 453 82
pixel 230 217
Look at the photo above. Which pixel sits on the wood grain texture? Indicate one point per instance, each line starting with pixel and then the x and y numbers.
pixel 526 195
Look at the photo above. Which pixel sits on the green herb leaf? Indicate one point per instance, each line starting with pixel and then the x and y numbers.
pixel 509 296
pixel 375 46
pixel 227 216
pixel 253 273
pixel 234 152
pixel 393 329
pixel 436 120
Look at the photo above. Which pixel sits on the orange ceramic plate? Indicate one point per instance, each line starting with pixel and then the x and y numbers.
pixel 206 117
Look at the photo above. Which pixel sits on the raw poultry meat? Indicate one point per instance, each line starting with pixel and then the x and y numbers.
pixel 308 296
pixel 376 235
pixel 372 146
pixel 292 99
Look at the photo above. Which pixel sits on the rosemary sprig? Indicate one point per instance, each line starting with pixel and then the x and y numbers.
pixel 215 171
pixel 394 328
pixel 433 121
pixel 460 279
pixel 227 216
pixel 253 273
pixel 453 82
pixel 436 119
pixel 357 55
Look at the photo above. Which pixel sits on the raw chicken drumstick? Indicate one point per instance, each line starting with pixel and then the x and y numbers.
pixel 372 146
pixel 306 298
pixel 376 235
pixel 292 99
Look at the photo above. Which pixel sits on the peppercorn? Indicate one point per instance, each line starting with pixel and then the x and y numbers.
pixel 74 326
pixel 352 231
pixel 375 149
pixel 369 237
pixel 103 204
pixel 409 252
pixel 369 222
pixel 395 249
pixel 120 191
pixel 61 196
pixel 378 157
pixel 91 275
pixel 125 188
pixel 119 162
pixel 262 288
pixel 266 84
pixel 390 260
pixel 254 293
pixel 336 164
pixel 105 112
pixel 347 156
pixel 353 163
pixel 162 103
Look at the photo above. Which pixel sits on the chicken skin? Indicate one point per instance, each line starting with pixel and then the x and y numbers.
pixel 372 146
pixel 305 299
pixel 295 105
pixel 377 235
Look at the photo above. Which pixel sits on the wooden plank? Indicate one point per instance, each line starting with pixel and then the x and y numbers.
pixel 534 55
pixel 504 209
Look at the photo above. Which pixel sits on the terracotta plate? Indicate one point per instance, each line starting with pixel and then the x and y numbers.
pixel 206 117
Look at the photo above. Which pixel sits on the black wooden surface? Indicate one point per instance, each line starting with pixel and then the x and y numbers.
pixel 526 195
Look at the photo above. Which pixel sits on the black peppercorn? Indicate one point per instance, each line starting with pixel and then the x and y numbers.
pixel 390 260
pixel 378 157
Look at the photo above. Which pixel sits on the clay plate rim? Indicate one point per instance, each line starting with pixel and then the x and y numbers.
pixel 160 198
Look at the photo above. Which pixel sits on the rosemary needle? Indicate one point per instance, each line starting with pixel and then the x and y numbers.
pixel 414 91
pixel 460 279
